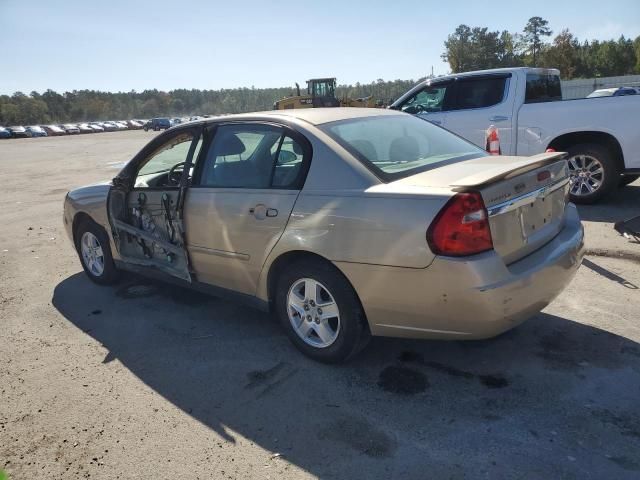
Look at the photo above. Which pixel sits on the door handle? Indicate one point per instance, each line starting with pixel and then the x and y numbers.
pixel 498 118
pixel 261 211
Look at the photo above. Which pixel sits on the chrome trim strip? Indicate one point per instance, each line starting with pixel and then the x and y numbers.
pixel 526 199
pixel 218 253
pixel 416 329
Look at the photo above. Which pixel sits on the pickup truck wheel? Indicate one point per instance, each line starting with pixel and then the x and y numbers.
pixel 627 179
pixel 592 171
pixel 320 312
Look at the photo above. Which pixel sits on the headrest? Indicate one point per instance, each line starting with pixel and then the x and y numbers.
pixel 404 149
pixel 297 149
pixel 366 148
pixel 228 144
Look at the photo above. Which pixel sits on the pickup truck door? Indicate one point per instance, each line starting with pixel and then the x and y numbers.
pixel 481 101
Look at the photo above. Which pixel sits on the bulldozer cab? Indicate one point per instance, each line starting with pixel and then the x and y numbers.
pixel 322 87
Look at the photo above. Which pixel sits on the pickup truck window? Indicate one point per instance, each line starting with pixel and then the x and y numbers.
pixel 479 92
pixel 543 88
pixel 429 99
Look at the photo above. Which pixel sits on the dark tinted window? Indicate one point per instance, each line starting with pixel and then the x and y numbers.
pixel 543 88
pixel 479 92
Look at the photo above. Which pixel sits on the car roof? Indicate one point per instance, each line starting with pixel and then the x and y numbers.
pixel 314 116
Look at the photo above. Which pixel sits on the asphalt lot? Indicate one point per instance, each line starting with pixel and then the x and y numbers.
pixel 142 380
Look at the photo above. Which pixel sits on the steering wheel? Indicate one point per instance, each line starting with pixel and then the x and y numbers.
pixel 175 174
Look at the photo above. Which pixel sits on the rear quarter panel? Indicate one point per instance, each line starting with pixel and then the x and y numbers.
pixel 363 228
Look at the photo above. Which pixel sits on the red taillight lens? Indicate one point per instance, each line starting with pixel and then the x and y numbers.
pixel 461 227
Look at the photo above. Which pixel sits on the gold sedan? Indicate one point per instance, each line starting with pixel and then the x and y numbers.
pixel 345 222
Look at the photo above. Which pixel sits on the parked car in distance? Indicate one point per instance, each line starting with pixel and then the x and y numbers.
pixel 85 128
pixel 96 127
pixel 70 128
pixel 601 137
pixel 53 130
pixel 346 222
pixel 36 131
pixel 158 124
pixel 18 131
pixel 110 126
pixel 134 124
pixel 5 132
pixel 121 125
pixel 614 92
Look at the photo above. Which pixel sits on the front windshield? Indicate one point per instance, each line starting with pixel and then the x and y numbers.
pixel 397 146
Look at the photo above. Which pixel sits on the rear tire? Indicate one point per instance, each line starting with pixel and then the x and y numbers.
pixel 94 250
pixel 593 172
pixel 628 179
pixel 342 334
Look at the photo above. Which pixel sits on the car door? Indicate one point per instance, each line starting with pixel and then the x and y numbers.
pixel 145 204
pixel 246 183
pixel 480 101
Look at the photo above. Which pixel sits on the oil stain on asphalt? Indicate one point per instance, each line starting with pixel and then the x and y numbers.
pixel 489 381
pixel 402 380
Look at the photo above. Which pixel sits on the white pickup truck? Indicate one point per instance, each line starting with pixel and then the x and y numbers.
pixel 600 135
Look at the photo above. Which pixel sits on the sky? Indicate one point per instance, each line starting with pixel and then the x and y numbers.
pixel 123 45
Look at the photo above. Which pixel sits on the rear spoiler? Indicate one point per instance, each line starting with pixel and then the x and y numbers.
pixel 515 166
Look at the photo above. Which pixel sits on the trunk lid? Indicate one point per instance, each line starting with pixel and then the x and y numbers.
pixel 525 196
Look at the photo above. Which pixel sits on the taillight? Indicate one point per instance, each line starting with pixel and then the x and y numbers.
pixel 461 227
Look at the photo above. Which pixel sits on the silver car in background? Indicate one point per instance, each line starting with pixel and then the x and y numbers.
pixel 345 222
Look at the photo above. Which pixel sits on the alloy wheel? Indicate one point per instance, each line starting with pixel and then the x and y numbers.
pixel 586 174
pixel 92 254
pixel 313 313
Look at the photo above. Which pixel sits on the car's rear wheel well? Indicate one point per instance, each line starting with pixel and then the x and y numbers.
pixel 295 256
pixel 564 142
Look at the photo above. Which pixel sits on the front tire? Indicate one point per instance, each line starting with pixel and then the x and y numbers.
pixel 92 245
pixel 593 172
pixel 320 312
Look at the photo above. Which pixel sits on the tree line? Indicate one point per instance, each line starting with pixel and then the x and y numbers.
pixel 468 48
pixel 478 48
pixel 91 105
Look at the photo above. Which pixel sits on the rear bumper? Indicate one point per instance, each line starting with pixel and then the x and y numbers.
pixel 467 298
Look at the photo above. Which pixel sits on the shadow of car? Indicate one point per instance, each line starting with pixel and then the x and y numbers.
pixel 518 403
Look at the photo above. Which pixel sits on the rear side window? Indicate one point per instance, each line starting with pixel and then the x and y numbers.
pixel 543 88
pixel 479 92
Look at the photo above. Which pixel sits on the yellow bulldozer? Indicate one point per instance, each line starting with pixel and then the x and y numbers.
pixel 321 92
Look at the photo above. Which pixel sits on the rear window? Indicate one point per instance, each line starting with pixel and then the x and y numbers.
pixel 479 92
pixel 543 88
pixel 395 147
